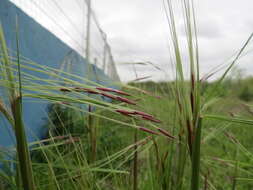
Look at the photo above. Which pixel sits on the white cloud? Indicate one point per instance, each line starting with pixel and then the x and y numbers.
pixel 137 29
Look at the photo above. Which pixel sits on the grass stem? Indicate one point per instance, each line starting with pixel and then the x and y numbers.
pixel 196 157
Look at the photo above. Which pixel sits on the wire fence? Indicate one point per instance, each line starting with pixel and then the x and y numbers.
pixel 76 24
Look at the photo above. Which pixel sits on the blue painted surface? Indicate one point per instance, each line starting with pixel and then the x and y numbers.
pixel 40 46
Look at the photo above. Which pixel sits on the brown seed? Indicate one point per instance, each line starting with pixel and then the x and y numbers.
pixel 124 112
pixel 113 90
pixel 65 90
pixel 165 133
pixel 59 137
pixel 78 89
pixel 121 92
pixel 109 96
pixel 65 103
pixel 142 113
pixel 125 100
pixel 151 119
pixel 90 91
pixel 148 130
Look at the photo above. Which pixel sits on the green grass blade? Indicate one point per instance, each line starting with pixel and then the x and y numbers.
pixel 25 164
pixel 230 119
pixel 196 157
pixel 22 147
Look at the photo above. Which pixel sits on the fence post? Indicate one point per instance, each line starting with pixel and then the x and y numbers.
pixel 105 51
pixel 88 30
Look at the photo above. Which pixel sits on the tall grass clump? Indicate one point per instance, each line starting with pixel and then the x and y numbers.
pixel 187 92
pixel 14 95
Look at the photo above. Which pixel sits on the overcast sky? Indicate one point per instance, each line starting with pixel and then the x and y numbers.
pixel 137 30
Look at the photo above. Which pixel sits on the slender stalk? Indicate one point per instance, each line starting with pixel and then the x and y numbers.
pixel 93 135
pixel 25 164
pixel 22 147
pixel 135 169
pixel 88 30
pixel 196 157
pixel 234 184
pixel 181 163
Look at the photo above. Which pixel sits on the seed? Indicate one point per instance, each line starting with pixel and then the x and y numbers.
pixel 78 89
pixel 113 90
pixel 65 90
pixel 109 96
pixel 125 100
pixel 88 90
pixel 165 133
pixel 148 130
pixel 59 137
pixel 65 103
pixel 124 112
pixel 142 113
pixel 151 119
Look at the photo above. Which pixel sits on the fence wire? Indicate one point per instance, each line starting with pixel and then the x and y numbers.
pixel 76 24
